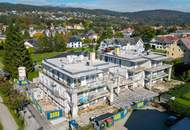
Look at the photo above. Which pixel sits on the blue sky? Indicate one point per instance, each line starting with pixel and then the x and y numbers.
pixel 118 5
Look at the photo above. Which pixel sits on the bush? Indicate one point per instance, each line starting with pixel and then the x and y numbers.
pixel 13 100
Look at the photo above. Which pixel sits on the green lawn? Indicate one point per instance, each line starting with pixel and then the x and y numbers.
pixel 186 96
pixel 32 75
pixel 40 57
pixel 159 51
pixel 1 126
pixel 181 104
pixel 183 101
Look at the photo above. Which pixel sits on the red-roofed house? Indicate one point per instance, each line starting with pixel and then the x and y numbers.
pixel 162 42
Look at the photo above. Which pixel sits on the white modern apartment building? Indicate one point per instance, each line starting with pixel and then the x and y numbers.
pixel 144 69
pixel 75 82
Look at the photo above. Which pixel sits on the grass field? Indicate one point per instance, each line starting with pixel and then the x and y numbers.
pixel 182 94
pixel 1 126
pixel 40 57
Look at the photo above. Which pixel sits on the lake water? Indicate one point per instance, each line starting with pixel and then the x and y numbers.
pixel 147 120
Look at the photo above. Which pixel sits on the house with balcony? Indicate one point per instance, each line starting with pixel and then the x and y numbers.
pixel 75 82
pixel 74 42
pixel 143 70
pixel 71 84
pixel 127 44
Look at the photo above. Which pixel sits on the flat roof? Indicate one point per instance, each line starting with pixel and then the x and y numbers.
pixel 156 57
pixel 78 67
pixel 130 56
pixel 138 57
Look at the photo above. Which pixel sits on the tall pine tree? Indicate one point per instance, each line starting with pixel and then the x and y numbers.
pixel 16 54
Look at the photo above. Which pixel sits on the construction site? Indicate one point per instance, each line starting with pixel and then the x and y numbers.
pixel 76 85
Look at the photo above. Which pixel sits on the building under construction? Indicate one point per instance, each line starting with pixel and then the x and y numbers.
pixel 77 82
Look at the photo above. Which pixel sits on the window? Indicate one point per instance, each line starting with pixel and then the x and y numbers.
pixel 172 54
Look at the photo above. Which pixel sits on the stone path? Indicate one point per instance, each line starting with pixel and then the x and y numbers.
pixel 6 118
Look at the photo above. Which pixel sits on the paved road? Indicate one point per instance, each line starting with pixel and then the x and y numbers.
pixel 30 122
pixel 6 118
pixel 37 119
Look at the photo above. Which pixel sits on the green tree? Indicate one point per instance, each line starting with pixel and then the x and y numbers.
pixel 147 47
pixel 26 35
pixel 87 40
pixel 15 54
pixel 44 45
pixel 119 35
pixel 148 34
pixel 59 42
pixel 107 34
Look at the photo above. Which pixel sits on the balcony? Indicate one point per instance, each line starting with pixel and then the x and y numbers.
pixel 156 76
pixel 52 94
pixel 69 88
pixel 91 85
pixel 94 96
pixel 158 68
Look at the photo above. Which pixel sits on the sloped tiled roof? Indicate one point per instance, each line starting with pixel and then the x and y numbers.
pixel 167 39
pixel 123 41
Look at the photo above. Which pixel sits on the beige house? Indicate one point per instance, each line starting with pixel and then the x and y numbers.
pixel 175 50
pixel 180 49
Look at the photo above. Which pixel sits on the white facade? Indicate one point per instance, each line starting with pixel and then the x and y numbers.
pixel 75 84
pixel 74 44
pixel 143 69
pixel 126 44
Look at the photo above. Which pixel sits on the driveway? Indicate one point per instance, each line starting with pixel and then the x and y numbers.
pixel 6 118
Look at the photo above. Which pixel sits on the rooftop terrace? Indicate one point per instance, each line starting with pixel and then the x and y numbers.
pixel 78 66
pixel 138 57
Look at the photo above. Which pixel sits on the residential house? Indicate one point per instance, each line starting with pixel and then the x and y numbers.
pixel 128 44
pixel 143 69
pixel 175 51
pixel 76 83
pixel 128 32
pixel 162 42
pixel 90 35
pixel 182 33
pixel 74 42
